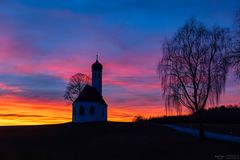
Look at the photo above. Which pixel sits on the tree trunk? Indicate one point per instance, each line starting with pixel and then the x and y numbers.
pixel 201 127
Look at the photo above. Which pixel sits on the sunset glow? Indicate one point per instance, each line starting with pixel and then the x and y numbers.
pixel 20 111
pixel 42 44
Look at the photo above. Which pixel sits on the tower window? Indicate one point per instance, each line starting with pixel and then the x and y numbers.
pixel 92 110
pixel 81 110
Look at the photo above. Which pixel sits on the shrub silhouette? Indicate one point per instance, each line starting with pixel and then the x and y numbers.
pixel 221 114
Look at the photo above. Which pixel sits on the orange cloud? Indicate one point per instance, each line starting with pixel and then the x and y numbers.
pixel 23 111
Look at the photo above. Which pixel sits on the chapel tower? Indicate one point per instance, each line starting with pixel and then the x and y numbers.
pixel 97 76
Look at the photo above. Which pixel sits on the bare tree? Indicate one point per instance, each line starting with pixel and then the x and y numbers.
pixel 192 69
pixel 75 85
pixel 234 57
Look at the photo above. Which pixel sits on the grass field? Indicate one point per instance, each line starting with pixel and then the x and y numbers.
pixel 108 141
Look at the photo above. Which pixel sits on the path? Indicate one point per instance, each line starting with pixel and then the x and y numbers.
pixel 210 135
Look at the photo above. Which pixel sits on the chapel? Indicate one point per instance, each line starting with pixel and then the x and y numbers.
pixel 90 105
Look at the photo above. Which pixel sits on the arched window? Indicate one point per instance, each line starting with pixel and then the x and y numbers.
pixel 81 110
pixel 103 111
pixel 74 110
pixel 92 110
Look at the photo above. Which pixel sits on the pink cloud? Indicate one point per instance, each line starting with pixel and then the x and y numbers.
pixel 11 89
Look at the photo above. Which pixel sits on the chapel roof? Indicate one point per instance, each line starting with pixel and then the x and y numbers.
pixel 89 93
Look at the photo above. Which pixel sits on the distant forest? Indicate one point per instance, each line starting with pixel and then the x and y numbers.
pixel 221 114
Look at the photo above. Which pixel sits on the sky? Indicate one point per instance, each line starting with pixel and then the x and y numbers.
pixel 43 43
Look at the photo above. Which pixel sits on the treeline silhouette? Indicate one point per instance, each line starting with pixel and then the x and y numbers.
pixel 221 114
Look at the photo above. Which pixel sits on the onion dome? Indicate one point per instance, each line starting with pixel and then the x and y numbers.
pixel 97 66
